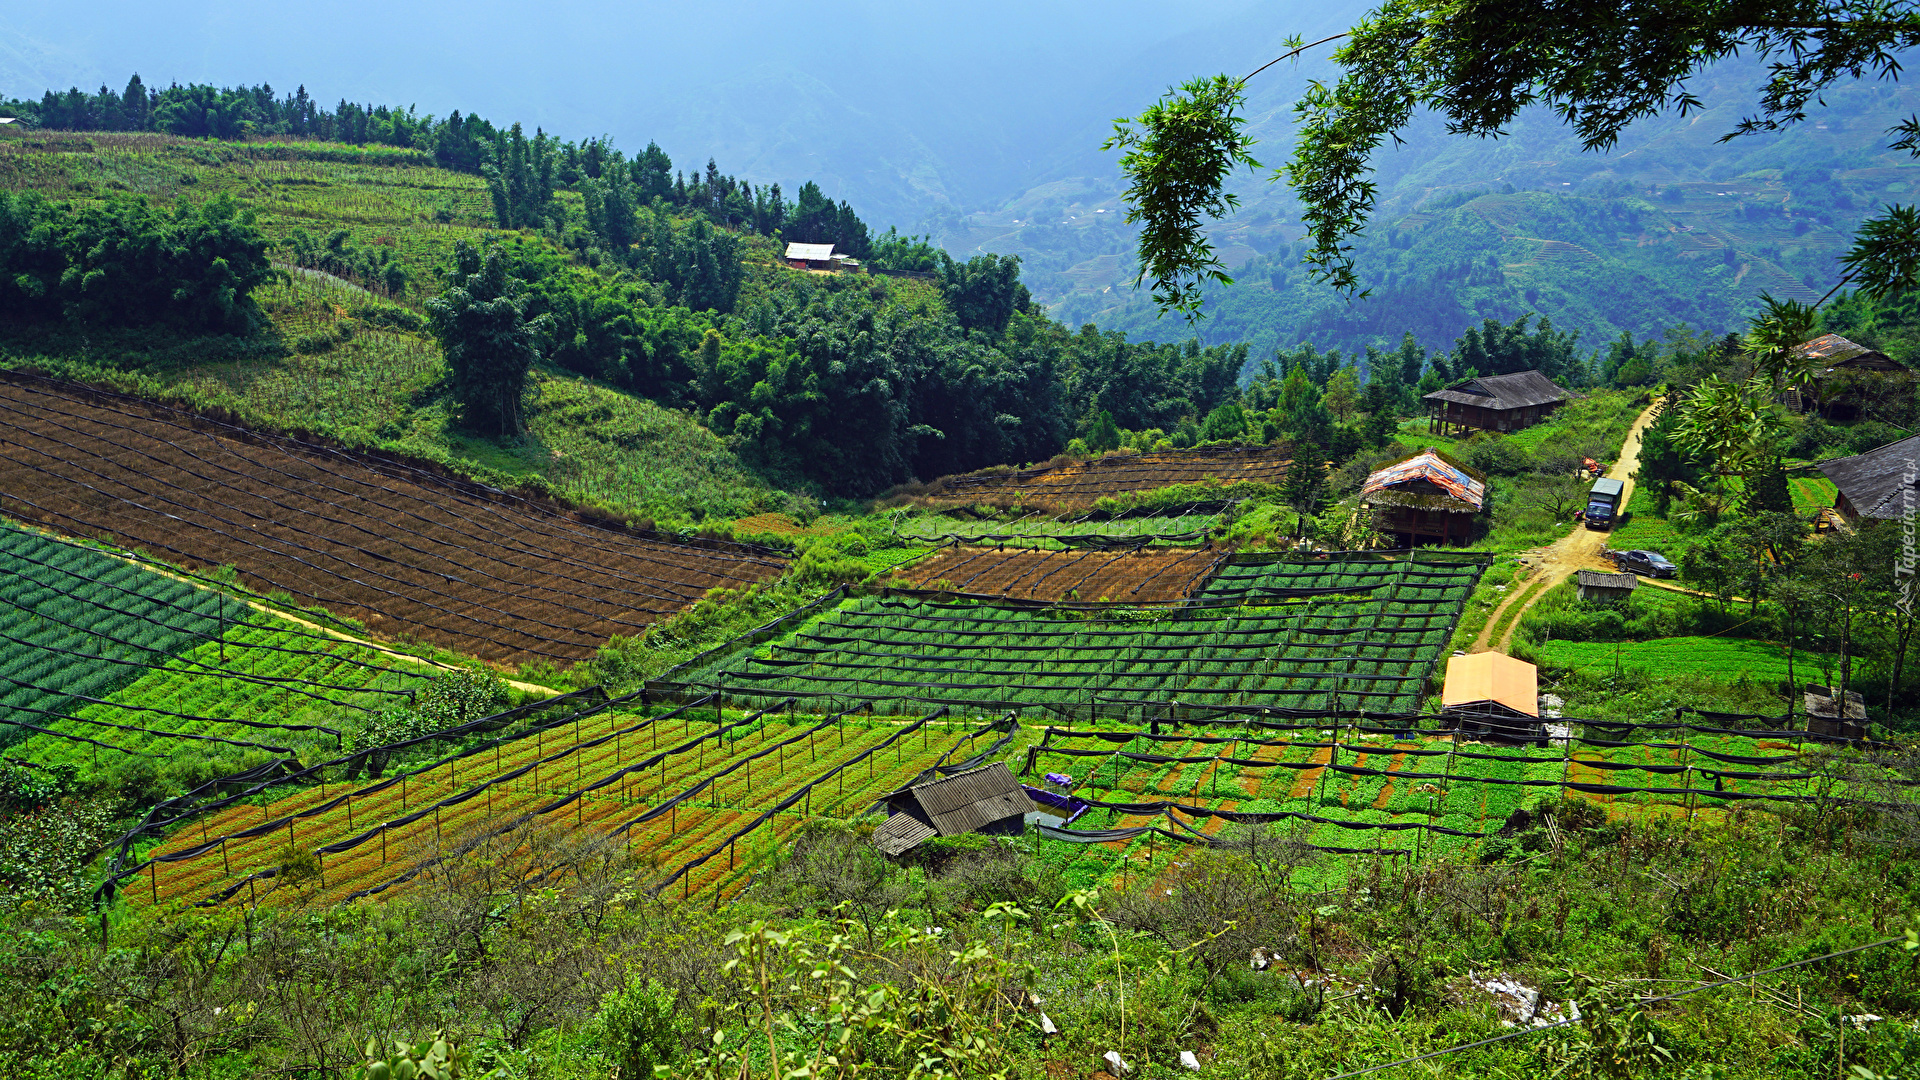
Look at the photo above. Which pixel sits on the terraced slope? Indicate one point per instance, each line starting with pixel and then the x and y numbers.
pixel 1081 484
pixel 676 787
pixel 1124 576
pixel 102 660
pixel 1272 632
pixel 406 552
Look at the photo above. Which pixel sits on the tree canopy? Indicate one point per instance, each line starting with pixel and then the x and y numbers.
pixel 1478 63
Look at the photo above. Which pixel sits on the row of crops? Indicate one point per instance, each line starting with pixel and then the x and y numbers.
pixel 1354 632
pixel 678 786
pixel 1043 529
pixel 1083 483
pixel 1408 793
pixel 105 661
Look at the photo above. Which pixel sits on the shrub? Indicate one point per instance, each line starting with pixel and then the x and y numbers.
pixel 640 1027
pixel 1496 455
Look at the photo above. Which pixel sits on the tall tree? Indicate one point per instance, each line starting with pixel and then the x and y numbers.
pixel 490 344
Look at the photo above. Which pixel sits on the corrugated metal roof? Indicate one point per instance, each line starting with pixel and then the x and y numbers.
pixel 965 801
pixel 1832 348
pixel 1429 466
pixel 1516 390
pixel 810 252
pixel 1600 579
pixel 977 815
pixel 902 832
pixel 1495 677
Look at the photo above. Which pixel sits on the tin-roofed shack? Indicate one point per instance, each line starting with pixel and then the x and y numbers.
pixel 1878 485
pixel 1492 694
pixel 983 800
pixel 810 256
pixel 1509 402
pixel 1427 496
pixel 1599 586
pixel 1845 374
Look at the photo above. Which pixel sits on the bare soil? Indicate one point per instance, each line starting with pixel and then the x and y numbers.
pixel 1138 576
pixel 407 553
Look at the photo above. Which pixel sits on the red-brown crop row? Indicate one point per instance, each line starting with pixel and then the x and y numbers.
pixel 1080 484
pixel 1137 576
pixel 406 552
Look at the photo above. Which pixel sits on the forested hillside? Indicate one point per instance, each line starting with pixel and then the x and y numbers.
pixel 638 287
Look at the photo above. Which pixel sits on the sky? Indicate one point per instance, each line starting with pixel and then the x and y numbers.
pixel 906 107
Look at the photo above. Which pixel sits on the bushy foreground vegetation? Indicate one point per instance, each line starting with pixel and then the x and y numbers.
pixel 961 962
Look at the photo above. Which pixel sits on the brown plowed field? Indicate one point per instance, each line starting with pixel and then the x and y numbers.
pixel 405 552
pixel 1079 484
pixel 1138 576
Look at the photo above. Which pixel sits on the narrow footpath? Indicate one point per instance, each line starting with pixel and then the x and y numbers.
pixel 1578 550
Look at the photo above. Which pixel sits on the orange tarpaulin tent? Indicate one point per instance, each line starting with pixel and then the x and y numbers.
pixel 1491 678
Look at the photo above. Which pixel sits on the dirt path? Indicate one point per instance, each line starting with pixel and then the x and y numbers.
pixel 1578 550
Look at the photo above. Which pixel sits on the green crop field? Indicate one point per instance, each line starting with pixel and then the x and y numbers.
pixel 1435 795
pixel 1811 493
pixel 1035 529
pixel 1363 630
pixel 670 784
pixel 103 660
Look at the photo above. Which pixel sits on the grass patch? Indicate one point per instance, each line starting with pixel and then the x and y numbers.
pixel 1762 661
pixel 1645 530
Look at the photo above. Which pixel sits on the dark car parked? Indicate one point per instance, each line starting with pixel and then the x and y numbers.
pixel 1650 563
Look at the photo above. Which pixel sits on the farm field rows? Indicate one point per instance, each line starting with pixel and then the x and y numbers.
pixel 110 659
pixel 1285 773
pixel 1143 576
pixel 727 776
pixel 407 553
pixel 1264 632
pixel 1036 528
pixel 1081 484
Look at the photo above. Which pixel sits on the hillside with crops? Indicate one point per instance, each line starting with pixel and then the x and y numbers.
pixel 479 603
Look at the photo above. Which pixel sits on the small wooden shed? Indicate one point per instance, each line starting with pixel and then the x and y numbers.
pixel 983 800
pixel 1823 713
pixel 1492 694
pixel 1508 402
pixel 1427 496
pixel 810 256
pixel 1601 587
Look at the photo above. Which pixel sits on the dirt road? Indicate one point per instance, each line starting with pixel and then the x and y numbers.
pixel 1578 550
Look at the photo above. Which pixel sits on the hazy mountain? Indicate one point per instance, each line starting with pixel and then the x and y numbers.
pixel 905 109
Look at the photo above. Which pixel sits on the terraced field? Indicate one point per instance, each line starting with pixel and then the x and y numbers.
pixel 1081 484
pixel 1408 794
pixel 406 552
pixel 104 660
pixel 1037 528
pixel 1267 631
pixel 673 786
pixel 1129 575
